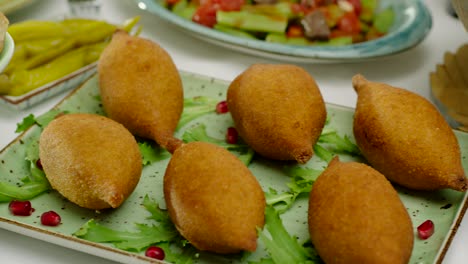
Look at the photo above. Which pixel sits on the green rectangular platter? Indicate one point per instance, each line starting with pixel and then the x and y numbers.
pixel 445 208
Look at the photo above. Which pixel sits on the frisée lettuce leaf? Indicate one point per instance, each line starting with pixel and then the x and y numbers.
pixel 161 233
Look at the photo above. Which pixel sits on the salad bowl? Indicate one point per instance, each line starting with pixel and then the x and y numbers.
pixel 411 24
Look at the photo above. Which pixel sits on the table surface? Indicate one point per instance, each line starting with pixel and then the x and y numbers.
pixel 409 69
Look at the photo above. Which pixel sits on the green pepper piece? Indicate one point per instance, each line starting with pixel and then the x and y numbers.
pixel 25 81
pixel 384 20
pixel 77 23
pixel 234 32
pixel 333 13
pixel 46 56
pixel 19 56
pixel 81 39
pixel 368 8
pixel 252 22
pixel 364 26
pixel 35 29
pixel 282 9
pixel 184 9
pixel 338 41
pixel 95 33
pixel 35 52
pixel 283 39
pixel 44 50
pixel 130 23
pixel 5 84
pixel 93 52
pixel 20 53
pixel 38 46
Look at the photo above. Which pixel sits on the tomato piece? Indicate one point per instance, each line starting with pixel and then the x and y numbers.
pixel 296 8
pixel 230 5
pixel 315 3
pixel 356 5
pixel 206 14
pixel 336 33
pixel 300 9
pixel 349 23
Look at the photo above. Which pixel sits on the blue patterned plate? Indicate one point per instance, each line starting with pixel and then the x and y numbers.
pixel 412 23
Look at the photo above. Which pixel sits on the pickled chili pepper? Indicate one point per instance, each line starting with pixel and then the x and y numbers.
pixel 342 22
pixel 45 56
pixel 24 81
pixel 48 50
pixel 36 29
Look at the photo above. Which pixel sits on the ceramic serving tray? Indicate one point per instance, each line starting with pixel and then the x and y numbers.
pixel 445 208
pixel 48 90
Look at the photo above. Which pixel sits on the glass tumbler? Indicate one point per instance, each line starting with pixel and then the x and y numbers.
pixel 84 8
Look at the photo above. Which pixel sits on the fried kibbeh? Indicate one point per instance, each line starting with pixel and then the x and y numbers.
pixel 402 135
pixel 213 199
pixel 141 87
pixel 356 216
pixel 91 160
pixel 278 110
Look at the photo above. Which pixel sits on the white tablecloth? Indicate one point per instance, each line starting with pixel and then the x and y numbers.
pixel 409 69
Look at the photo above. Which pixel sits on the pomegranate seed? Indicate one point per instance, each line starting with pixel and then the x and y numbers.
pixel 22 208
pixel 231 135
pixel 155 252
pixel 39 164
pixel 50 218
pixel 426 229
pixel 222 107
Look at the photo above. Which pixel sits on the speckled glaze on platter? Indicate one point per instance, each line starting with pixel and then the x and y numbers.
pixel 445 208
pixel 412 23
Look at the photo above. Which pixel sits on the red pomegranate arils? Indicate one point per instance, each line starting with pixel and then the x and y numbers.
pixel 155 252
pixel 231 135
pixel 22 208
pixel 426 229
pixel 50 218
pixel 39 164
pixel 222 107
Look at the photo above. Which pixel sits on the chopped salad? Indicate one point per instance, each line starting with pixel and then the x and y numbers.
pixel 296 22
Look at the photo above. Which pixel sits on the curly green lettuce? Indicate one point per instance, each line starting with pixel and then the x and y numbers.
pixel 161 233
